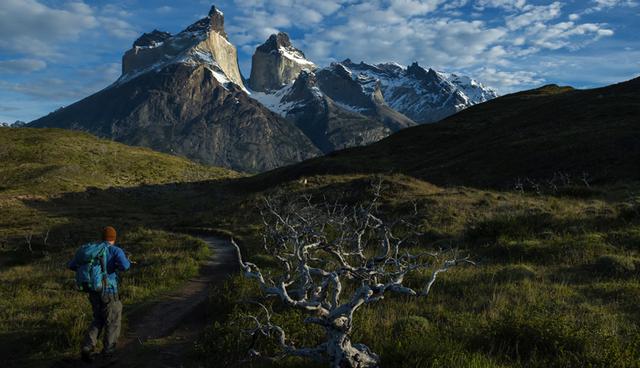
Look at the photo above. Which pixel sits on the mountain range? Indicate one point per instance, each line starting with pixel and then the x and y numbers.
pixel 539 136
pixel 184 94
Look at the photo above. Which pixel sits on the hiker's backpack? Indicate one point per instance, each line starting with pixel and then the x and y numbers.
pixel 91 260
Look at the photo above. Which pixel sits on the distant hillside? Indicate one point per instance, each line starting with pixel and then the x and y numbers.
pixel 48 161
pixel 533 134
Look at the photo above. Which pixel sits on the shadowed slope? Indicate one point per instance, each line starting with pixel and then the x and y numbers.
pixel 533 134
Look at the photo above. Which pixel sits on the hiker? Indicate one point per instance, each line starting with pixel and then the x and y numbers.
pixel 96 265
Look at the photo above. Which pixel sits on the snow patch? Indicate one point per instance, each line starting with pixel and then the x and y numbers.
pixel 273 100
pixel 295 55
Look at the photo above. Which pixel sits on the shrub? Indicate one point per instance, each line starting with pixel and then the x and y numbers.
pixel 526 337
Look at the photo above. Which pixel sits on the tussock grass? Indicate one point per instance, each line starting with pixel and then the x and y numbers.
pixel 555 286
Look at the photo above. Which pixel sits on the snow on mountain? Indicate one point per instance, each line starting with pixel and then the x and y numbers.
pixel 276 63
pixel 202 43
pixel 423 95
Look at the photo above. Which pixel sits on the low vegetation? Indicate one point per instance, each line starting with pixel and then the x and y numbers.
pixel 43 317
pixel 50 161
pixel 555 286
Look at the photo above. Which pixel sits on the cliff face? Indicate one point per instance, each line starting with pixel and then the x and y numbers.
pixel 277 63
pixel 184 95
pixel 203 41
pixel 186 110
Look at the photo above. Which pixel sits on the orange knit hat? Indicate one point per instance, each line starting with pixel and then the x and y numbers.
pixel 109 234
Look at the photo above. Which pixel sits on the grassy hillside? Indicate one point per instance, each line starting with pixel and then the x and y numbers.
pixel 48 161
pixel 42 317
pixel 537 134
pixel 556 285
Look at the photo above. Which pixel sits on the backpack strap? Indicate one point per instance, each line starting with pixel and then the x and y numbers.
pixel 103 267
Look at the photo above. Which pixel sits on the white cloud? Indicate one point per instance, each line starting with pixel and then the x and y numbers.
pixel 507 81
pixel 118 28
pixel 510 5
pixel 604 4
pixel 21 65
pixel 563 34
pixel 164 9
pixel 433 42
pixel 33 28
pixel 414 7
pixel 28 26
pixel 534 14
pixel 59 89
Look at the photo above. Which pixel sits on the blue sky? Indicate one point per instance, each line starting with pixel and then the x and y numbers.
pixel 53 52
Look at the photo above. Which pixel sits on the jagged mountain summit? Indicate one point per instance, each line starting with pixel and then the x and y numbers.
pixel 277 63
pixel 202 43
pixel 289 84
pixel 424 95
pixel 184 94
pixel 371 101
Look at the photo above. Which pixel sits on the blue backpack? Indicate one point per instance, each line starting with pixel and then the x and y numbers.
pixel 91 274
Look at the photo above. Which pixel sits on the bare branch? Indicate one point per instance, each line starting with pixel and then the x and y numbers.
pixel 322 247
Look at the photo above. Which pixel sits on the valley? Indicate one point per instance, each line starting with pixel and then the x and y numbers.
pixel 385 215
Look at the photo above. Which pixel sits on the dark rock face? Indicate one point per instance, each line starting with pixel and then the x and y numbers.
pixel 275 42
pixel 185 110
pixel 213 22
pixel 277 63
pixel 328 126
pixel 151 39
pixel 360 94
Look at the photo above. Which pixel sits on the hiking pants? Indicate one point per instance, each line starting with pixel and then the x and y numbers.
pixel 107 316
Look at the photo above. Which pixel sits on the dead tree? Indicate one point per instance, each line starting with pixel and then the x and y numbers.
pixel 324 249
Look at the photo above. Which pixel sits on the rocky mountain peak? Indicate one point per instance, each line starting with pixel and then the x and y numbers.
pixel 275 42
pixel 277 63
pixel 202 43
pixel 212 22
pixel 421 73
pixel 151 39
pixel 341 69
pixel 304 88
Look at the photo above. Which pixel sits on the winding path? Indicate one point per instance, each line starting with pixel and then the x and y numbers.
pixel 167 315
pixel 180 316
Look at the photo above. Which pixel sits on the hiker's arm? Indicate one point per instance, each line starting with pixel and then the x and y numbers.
pixel 122 261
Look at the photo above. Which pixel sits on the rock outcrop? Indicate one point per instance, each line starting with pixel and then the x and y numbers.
pixel 205 41
pixel 277 63
pixel 361 94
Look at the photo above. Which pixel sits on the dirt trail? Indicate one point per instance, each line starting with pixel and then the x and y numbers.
pixel 167 315
pixel 179 317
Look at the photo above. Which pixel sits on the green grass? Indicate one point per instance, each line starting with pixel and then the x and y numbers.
pixel 555 286
pixel 43 317
pixel 557 282
pixel 50 161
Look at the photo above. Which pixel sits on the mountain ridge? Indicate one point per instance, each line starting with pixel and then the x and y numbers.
pixel 184 94
pixel 531 135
